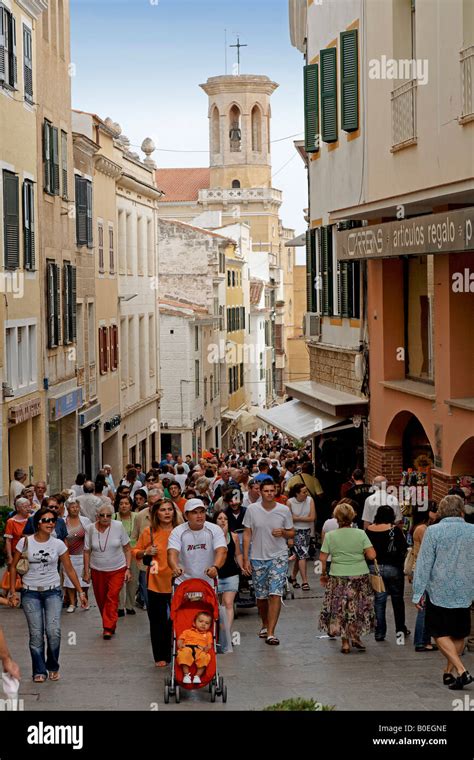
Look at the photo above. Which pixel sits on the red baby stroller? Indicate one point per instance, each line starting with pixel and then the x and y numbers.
pixel 189 598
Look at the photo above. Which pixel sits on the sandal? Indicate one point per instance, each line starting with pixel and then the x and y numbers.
pixel 39 678
pixel 272 641
pixel 296 585
pixel 358 645
pixel 263 633
pixel 54 675
pixel 305 587
pixel 345 649
pixel 161 664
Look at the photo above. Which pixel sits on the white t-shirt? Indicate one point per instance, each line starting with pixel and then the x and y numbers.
pixel 43 558
pixel 300 509
pixel 377 499
pixel 262 522
pixel 181 479
pixel 196 549
pixel 246 501
pixel 107 553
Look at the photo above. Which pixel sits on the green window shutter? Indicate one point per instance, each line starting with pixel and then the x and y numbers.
pixel 67 299
pixel 57 307
pixel 13 58
pixel 50 303
pixel 11 220
pixel 356 286
pixel 73 303
pixel 349 81
pixel 64 164
pixel 311 273
pixel 346 287
pixel 2 44
pixel 311 108
pixel 27 64
pixel 55 161
pixel 29 225
pixel 90 237
pixel 329 94
pixel 81 211
pixel 327 271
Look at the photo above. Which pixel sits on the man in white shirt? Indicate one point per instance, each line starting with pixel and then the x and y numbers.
pixel 181 463
pixel 252 495
pixel 88 503
pixel 17 485
pixel 196 549
pixel 380 498
pixel 40 493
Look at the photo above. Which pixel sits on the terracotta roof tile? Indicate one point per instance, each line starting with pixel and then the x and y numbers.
pixel 256 287
pixel 182 184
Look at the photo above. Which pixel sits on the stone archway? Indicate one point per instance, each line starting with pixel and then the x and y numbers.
pixel 405 440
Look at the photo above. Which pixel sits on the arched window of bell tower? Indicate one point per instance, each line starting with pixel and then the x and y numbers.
pixel 235 183
pixel 216 132
pixel 235 132
pixel 256 129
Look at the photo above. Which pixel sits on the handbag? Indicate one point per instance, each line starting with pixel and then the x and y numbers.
pixel 376 580
pixel 23 564
pixel 409 565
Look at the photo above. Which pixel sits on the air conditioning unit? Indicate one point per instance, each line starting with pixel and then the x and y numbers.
pixel 7 391
pixel 312 326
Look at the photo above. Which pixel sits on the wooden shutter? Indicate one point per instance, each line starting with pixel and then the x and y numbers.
pixel 27 63
pixel 101 351
pixel 55 161
pixel 66 305
pixel 311 108
pixel 50 303
pixel 345 286
pixel 113 342
pixel 349 81
pixel 64 164
pixel 100 245
pixel 11 220
pixel 106 349
pixel 242 375
pixel 111 250
pixel 243 317
pixel 311 270
pixel 57 304
pixel 47 156
pixel 90 236
pixel 2 44
pixel 28 225
pixel 13 58
pixel 81 211
pixel 329 95
pixel 73 302
pixel 326 270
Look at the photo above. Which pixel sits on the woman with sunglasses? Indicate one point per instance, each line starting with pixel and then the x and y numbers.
pixel 107 559
pixel 41 595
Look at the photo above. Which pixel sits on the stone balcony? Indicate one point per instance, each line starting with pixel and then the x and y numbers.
pixel 266 195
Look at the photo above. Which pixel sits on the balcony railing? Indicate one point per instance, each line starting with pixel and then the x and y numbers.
pixel 239 194
pixel 404 115
pixel 467 78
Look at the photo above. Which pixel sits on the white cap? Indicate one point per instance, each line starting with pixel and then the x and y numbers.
pixel 193 504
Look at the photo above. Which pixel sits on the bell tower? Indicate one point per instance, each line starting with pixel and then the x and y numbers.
pixel 239 130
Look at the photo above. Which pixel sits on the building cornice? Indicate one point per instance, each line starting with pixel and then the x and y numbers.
pixel 105 166
pixel 34 7
pixel 85 144
pixel 137 185
pixel 241 83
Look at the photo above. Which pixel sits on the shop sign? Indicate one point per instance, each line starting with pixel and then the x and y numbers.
pixel 450 232
pixel 64 405
pixel 25 411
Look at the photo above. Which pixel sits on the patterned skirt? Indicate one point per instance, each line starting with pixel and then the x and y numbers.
pixel 348 607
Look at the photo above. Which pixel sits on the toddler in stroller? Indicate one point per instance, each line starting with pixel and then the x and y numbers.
pixel 193 647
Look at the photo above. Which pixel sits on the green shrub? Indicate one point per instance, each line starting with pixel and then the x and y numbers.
pixel 3 521
pixel 299 704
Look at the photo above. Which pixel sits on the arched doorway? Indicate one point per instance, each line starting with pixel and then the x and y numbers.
pixel 235 133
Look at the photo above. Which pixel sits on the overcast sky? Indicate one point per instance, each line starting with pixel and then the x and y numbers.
pixel 141 62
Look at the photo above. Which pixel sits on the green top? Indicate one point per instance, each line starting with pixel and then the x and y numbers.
pixel 346 547
pixel 127 525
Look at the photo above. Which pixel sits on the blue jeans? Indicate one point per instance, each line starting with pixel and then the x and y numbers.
pixel 43 615
pixel 142 587
pixel 393 579
pixel 421 634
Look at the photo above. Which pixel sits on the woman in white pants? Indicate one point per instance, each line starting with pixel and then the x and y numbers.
pixel 76 525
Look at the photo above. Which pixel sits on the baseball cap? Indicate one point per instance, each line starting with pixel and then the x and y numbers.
pixel 193 504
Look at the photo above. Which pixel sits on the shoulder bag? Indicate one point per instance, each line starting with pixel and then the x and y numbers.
pixel 23 564
pixel 377 580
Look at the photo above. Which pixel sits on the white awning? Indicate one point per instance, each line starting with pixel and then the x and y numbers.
pixel 230 415
pixel 299 240
pixel 301 421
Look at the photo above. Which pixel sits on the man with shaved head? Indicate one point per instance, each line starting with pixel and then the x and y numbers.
pixel 380 498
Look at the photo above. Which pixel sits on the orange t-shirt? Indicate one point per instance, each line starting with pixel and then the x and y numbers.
pixel 161 582
pixel 180 503
pixel 193 636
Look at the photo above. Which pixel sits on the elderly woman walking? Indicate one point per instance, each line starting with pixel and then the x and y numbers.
pixel 348 607
pixel 444 572
pixel 76 525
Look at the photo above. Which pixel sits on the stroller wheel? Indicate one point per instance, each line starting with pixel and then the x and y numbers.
pixel 224 693
pixel 177 695
pixel 213 693
pixel 167 694
pixel 220 686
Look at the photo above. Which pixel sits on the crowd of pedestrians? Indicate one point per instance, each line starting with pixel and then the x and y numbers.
pixel 258 515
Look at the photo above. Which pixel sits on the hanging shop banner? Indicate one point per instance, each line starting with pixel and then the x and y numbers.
pixel 450 232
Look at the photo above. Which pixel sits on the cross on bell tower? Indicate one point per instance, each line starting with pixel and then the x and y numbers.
pixel 238 46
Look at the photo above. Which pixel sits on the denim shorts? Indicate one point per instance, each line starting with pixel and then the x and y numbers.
pixel 269 576
pixel 228 584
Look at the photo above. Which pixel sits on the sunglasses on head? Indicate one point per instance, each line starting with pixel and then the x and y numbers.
pixel 48 520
